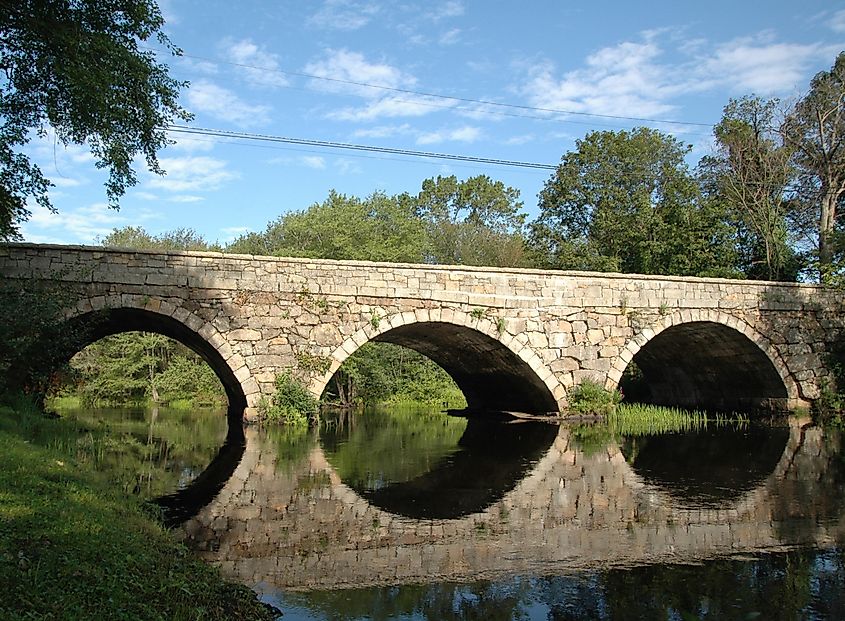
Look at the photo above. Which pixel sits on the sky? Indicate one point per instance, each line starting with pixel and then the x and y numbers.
pixel 489 79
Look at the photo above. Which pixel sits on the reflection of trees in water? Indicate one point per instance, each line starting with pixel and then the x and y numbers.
pixel 794 585
pixel 812 490
pixel 435 466
pixel 149 452
pixel 484 601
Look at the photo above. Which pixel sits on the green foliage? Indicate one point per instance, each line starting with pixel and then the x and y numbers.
pixel 814 131
pixel 77 66
pixel 749 176
pixel 291 404
pixel 590 397
pixel 377 228
pixel 141 367
pixel 472 222
pixel 36 339
pixel 626 201
pixel 388 373
pixel 312 364
pixel 73 547
pixel 136 237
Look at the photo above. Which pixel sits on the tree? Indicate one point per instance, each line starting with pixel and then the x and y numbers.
pixel 377 228
pixel 136 237
pixel 815 131
pixel 471 222
pixel 626 201
pixel 751 174
pixel 76 66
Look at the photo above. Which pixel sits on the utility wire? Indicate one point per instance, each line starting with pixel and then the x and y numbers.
pixel 326 144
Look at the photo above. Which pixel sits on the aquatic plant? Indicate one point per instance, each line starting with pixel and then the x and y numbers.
pixel 590 397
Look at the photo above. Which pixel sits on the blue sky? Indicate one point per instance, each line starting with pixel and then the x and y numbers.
pixel 284 69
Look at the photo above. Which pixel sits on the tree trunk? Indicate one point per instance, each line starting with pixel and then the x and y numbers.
pixel 826 223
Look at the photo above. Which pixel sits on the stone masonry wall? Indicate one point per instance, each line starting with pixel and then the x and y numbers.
pixel 266 315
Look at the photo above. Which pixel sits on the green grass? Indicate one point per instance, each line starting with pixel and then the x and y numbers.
pixel 73 547
pixel 637 419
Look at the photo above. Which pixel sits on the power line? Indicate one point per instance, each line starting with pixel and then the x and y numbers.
pixel 470 100
pixel 326 144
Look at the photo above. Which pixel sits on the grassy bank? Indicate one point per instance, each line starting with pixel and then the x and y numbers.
pixel 72 547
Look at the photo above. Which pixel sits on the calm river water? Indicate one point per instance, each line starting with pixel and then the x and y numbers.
pixel 411 515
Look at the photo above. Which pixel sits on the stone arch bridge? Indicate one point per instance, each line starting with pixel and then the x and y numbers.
pixel 513 339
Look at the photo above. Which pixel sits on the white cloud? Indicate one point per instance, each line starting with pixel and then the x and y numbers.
pixel 189 143
pixel 65 182
pixel 452 8
pixel 620 80
pixel 394 106
pixel 231 232
pixel 204 96
pixel 760 66
pixel 195 65
pixel 185 198
pixel 257 66
pixel 313 161
pixel 80 225
pixel 450 37
pixel 196 173
pixel 632 79
pixel 837 21
pixel 462 134
pixel 344 15
pixel 521 139
pixel 145 196
pixel 383 131
pixel 347 66
pixel 354 67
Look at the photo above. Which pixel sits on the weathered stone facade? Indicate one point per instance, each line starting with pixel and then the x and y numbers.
pixel 516 339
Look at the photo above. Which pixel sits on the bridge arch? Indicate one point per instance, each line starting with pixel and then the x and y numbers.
pixel 708 358
pixel 106 315
pixel 495 369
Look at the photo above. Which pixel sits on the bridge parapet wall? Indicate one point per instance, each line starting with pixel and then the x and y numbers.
pixel 266 315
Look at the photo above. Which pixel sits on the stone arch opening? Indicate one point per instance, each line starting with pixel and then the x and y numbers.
pixel 109 321
pixel 705 364
pixel 492 375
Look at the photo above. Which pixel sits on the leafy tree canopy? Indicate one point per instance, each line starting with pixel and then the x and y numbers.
pixel 376 228
pixel 751 175
pixel 472 222
pixel 138 238
pixel 77 67
pixel 815 131
pixel 626 201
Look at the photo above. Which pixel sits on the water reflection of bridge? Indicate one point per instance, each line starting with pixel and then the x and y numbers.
pixel 298 526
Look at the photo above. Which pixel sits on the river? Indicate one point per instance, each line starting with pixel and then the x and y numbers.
pixel 417 515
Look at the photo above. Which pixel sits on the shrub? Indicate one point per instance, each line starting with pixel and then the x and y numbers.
pixel 590 397
pixel 291 404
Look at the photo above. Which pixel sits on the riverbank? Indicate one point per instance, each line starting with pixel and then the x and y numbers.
pixel 72 547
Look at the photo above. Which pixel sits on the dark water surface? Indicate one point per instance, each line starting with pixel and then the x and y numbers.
pixel 409 515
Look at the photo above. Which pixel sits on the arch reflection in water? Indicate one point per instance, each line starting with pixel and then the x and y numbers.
pixel 293 524
pixel 187 501
pixel 707 467
pixel 437 468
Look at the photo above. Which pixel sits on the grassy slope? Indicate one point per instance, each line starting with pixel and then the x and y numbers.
pixel 71 548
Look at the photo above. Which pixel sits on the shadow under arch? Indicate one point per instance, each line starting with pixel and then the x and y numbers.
pixel 494 371
pixel 705 362
pixel 108 321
